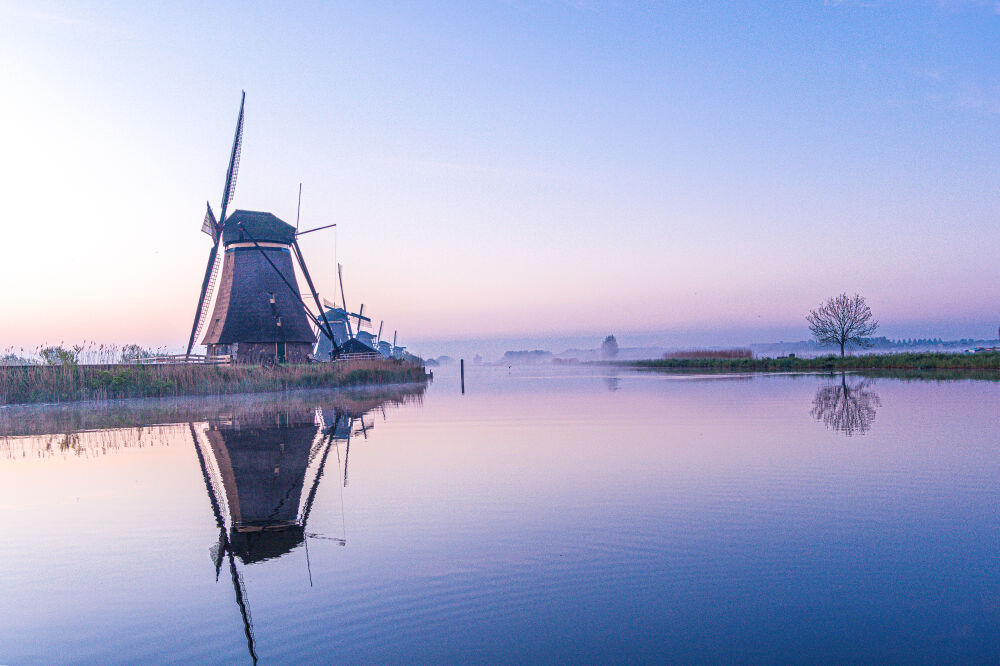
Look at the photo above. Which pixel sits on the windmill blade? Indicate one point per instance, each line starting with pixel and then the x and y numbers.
pixel 343 300
pixel 379 338
pixel 326 328
pixel 209 225
pixel 234 161
pixel 340 279
pixel 199 313
pixel 207 300
pixel 227 196
pixel 298 210
pixel 309 231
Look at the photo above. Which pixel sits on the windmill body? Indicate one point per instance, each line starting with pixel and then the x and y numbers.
pixel 367 339
pixel 338 319
pixel 262 462
pixel 258 316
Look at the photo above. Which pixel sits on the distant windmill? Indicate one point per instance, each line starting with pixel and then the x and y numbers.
pixel 259 315
pixel 340 318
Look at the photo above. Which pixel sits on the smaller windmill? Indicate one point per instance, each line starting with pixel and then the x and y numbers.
pixel 345 334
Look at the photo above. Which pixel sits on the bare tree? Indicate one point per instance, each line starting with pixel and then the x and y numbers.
pixel 847 408
pixel 609 348
pixel 841 320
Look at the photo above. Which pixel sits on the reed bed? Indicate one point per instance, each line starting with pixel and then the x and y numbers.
pixel 74 382
pixel 989 361
pixel 710 353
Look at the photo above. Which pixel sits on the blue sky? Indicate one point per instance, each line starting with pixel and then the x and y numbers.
pixel 673 171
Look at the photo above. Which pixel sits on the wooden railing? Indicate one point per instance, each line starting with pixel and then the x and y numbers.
pixel 363 356
pixel 220 359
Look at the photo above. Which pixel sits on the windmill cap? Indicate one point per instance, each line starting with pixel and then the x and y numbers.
pixel 244 226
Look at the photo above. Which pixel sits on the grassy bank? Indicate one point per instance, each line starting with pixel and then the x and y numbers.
pixel 67 383
pixel 866 362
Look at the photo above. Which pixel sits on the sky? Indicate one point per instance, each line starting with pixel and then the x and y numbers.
pixel 675 173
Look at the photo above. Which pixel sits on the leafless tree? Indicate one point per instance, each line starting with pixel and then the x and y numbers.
pixel 847 408
pixel 841 320
pixel 609 348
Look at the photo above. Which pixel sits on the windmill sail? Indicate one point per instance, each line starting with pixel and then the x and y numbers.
pixel 206 302
pixel 209 225
pixel 227 196
pixel 234 162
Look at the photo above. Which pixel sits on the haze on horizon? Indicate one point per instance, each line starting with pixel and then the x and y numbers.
pixel 684 173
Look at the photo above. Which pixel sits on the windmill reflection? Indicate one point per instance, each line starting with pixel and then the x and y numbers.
pixel 262 469
pixel 846 408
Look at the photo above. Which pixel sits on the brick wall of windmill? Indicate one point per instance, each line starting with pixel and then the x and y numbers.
pixel 263 352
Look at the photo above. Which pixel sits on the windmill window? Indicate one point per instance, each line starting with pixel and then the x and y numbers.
pixel 279 321
pixel 271 296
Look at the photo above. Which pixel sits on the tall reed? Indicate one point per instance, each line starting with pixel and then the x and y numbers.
pixel 75 381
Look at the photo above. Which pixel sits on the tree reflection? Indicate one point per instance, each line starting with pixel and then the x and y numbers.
pixel 612 382
pixel 847 408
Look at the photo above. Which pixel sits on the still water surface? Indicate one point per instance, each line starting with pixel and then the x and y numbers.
pixel 545 515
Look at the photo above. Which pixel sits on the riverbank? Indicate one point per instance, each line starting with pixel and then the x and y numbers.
pixel 72 383
pixel 866 362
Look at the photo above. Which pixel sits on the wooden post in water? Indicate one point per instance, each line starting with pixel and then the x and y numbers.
pixel 461 365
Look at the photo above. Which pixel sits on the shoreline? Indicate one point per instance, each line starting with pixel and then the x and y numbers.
pixel 33 419
pixel 74 384
pixel 987 364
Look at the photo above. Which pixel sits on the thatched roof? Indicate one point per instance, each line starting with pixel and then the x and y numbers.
pixel 247 225
pixel 355 346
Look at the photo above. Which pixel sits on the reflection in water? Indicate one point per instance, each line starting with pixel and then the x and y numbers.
pixel 81 444
pixel 262 469
pixel 613 382
pixel 88 430
pixel 847 408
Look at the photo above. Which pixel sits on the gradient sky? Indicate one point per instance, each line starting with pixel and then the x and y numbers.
pixel 674 172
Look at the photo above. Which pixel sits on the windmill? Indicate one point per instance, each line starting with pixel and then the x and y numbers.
pixel 259 315
pixel 262 468
pixel 260 513
pixel 344 333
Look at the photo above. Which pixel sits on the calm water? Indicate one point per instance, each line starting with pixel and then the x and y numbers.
pixel 543 516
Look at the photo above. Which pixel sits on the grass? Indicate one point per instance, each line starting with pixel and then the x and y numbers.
pixel 71 382
pixel 866 362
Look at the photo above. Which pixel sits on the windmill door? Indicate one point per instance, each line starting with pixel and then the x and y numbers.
pixel 280 352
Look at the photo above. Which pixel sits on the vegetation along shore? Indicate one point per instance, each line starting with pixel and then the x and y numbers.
pixel 72 382
pixel 989 361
